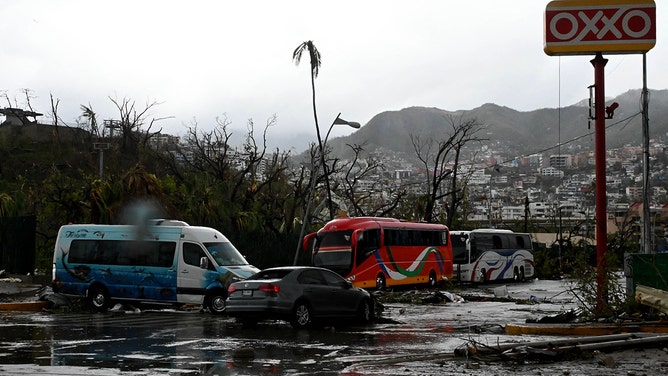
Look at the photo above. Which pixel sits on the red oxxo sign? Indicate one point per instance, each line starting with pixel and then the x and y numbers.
pixel 577 27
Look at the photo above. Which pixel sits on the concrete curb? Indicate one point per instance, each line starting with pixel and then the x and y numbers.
pixel 24 306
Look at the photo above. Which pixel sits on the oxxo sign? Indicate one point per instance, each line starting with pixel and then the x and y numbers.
pixel 577 27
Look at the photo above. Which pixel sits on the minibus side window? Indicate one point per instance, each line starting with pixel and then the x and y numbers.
pixel 192 253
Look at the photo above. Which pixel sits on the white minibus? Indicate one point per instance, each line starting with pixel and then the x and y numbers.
pixel 164 262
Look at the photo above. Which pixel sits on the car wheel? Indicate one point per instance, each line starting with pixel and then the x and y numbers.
pixel 380 282
pixel 99 298
pixel 301 316
pixel 215 301
pixel 432 279
pixel 365 311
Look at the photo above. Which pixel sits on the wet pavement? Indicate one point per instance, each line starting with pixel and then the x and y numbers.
pixel 410 339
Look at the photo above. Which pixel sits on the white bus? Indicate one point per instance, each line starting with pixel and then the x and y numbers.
pixel 166 262
pixel 486 255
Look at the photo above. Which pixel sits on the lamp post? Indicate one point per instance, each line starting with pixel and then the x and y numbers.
pixel 314 173
pixel 322 147
pixel 489 201
pixel 101 147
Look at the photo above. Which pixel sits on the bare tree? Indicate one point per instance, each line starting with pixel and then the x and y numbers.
pixel 369 201
pixel 131 121
pixel 55 102
pixel 249 181
pixel 28 97
pixel 441 160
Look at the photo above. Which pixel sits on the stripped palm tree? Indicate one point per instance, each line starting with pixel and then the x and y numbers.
pixel 87 112
pixel 316 61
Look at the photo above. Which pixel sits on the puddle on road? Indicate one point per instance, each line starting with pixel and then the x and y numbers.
pixel 150 343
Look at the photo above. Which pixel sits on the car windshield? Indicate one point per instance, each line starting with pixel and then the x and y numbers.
pixel 270 274
pixel 225 254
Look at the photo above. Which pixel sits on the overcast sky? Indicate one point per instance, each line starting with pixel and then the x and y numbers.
pixel 205 59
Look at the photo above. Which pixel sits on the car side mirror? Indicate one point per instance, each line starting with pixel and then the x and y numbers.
pixel 204 263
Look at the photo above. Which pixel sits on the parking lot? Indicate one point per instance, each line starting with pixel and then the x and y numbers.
pixel 169 341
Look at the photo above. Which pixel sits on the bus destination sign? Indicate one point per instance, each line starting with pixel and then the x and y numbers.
pixel 587 27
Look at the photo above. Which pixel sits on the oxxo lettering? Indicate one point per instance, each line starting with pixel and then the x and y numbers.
pixel 585 27
pixel 613 24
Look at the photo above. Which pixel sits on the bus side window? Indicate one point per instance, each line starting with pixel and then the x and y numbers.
pixel 520 242
pixel 368 242
pixel 390 237
pixel 496 242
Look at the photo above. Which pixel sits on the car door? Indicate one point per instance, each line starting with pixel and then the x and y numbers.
pixel 342 298
pixel 192 277
pixel 317 292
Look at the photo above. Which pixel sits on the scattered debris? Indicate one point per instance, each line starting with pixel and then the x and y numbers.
pixel 651 297
pixel 561 318
pixel 501 292
pixel 559 349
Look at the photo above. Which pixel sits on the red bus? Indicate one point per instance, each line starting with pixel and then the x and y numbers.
pixel 374 252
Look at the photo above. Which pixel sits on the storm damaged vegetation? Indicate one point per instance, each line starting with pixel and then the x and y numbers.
pixel 98 171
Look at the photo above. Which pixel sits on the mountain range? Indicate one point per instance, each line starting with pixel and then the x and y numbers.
pixel 516 132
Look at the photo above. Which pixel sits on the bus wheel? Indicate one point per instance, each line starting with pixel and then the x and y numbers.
pixel 380 282
pixel 516 275
pixel 432 279
pixel 215 301
pixel 483 276
pixel 522 278
pixel 99 298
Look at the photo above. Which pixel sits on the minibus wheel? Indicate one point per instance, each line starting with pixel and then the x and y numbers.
pixel 99 298
pixel 215 301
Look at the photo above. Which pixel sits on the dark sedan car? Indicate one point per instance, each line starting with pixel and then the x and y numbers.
pixel 301 295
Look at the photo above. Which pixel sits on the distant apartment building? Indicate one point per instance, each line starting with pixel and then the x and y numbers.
pixel 402 174
pixel 634 193
pixel 539 210
pixel 551 171
pixel 561 161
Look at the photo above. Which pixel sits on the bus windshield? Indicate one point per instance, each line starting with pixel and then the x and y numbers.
pixel 225 254
pixel 459 254
pixel 333 250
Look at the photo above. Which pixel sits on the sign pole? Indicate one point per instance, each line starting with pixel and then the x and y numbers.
pixel 601 199
pixel 646 211
pixel 586 27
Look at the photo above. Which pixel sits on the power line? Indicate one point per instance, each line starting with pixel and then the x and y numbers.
pixel 626 120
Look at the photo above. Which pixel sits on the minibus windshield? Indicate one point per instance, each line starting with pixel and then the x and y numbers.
pixel 225 254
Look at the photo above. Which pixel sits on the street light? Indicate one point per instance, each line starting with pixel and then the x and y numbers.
pixel 314 171
pixel 336 121
pixel 489 200
pixel 101 147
